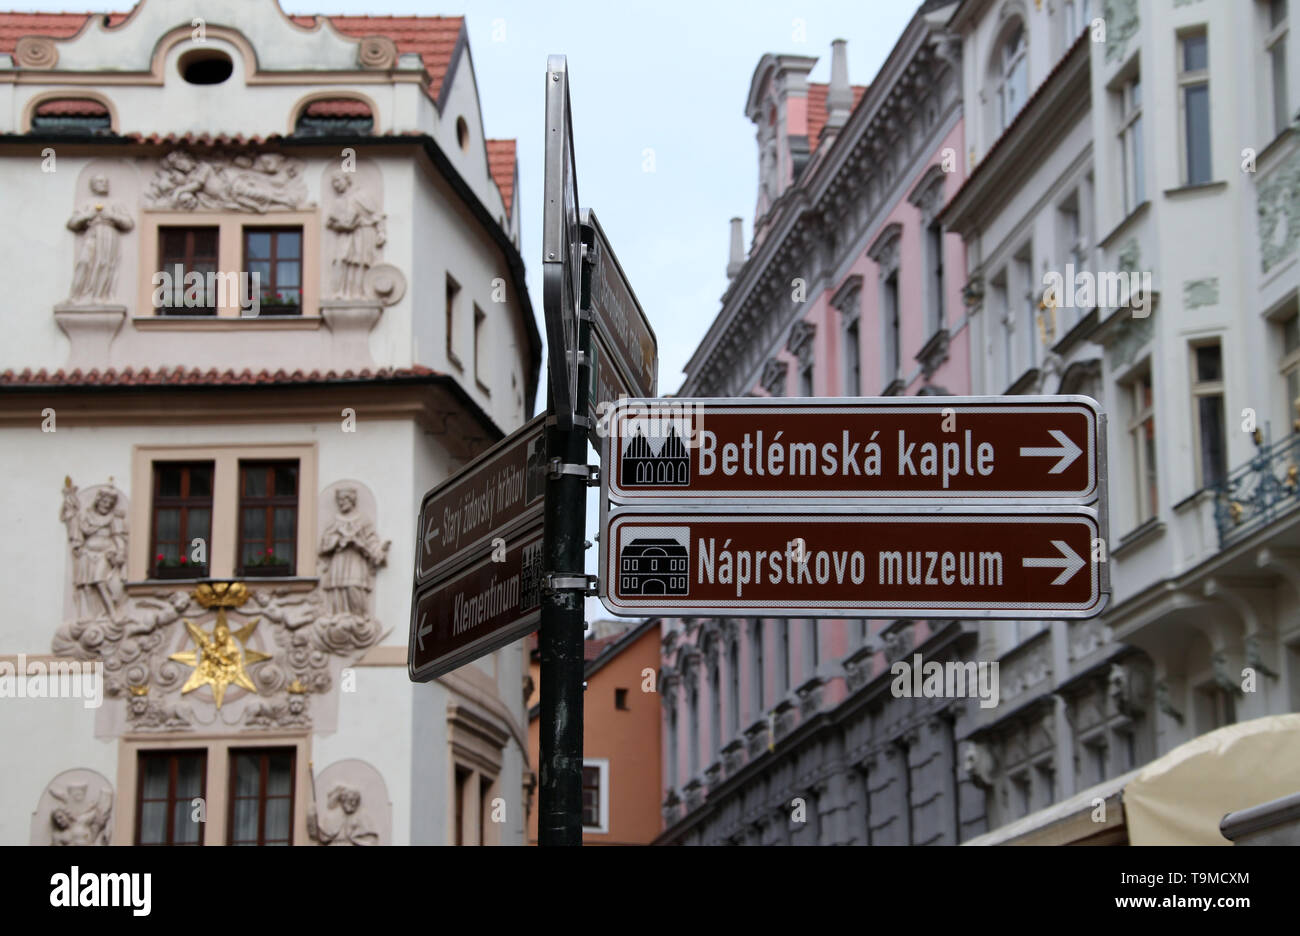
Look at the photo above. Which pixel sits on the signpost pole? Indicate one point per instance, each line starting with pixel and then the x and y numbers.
pixel 559 819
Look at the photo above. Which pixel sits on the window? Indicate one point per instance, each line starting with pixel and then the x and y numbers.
pixel 934 260
pixel 463 776
pixel 806 380
pixel 268 518
pixel 182 251
pixel 1001 307
pixel 592 796
pixel 1275 52
pixel 1130 145
pixel 1030 299
pixel 1290 365
pixel 261 797
pixel 693 754
pixel 1013 76
pixel 893 352
pixel 182 513
pixel 852 360
pixel 1194 100
pixel 1215 708
pixel 168 783
pixel 274 255
pixel 480 350
pixel 1076 19
pixel 484 808
pixel 672 748
pixel 1142 435
pixel 715 707
pixel 72 115
pixel 335 116
pixel 1207 399
pixel 784 687
pixel 453 291
pixel 756 649
pixel 1071 245
pixel 620 699
pixel 733 677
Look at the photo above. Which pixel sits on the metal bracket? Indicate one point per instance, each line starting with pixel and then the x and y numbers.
pixel 584 421
pixel 582 358
pixel 562 581
pixel 557 468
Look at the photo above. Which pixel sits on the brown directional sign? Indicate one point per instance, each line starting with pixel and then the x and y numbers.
pixel 478 610
pixel 621 325
pixel 906 449
pixel 499 492
pixel 1015 565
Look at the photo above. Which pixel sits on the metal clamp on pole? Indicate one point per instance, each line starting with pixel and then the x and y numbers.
pixel 553 582
pixel 582 358
pixel 557 469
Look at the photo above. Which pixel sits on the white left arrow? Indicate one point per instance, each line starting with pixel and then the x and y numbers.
pixel 423 629
pixel 430 531
pixel 1069 563
pixel 1067 452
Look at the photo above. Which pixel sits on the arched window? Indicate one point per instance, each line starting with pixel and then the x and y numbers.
pixel 333 116
pixel 72 115
pixel 1011 69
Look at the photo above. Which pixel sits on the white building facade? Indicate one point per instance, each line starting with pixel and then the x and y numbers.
pixel 1129 221
pixel 212 480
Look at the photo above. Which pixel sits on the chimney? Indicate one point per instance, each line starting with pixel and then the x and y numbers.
pixel 737 259
pixel 839 97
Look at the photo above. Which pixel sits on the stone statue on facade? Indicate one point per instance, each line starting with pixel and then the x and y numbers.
pixel 80 820
pixel 359 234
pixel 97 535
pixel 351 552
pixel 353 826
pixel 99 227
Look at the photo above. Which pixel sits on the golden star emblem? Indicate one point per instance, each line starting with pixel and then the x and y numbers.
pixel 220 658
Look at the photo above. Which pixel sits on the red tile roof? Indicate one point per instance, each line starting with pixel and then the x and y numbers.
pixel 501 164
pixel 13 26
pixel 817 110
pixel 433 38
pixel 194 376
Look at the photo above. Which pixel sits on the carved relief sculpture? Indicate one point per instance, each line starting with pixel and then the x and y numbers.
pixel 344 822
pixel 80 818
pixel 99 226
pixel 359 234
pixel 221 182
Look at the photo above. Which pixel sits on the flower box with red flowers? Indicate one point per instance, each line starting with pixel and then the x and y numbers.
pixel 182 568
pixel 267 563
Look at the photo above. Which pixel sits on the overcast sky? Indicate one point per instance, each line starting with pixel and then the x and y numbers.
pixel 658 85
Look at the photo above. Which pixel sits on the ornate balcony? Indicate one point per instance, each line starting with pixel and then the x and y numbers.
pixel 1260 491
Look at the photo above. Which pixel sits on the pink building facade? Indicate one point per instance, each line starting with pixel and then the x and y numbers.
pixel 785 731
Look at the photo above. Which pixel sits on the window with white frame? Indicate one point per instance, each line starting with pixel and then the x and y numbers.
pixel 852 359
pixel 1132 163
pixel 893 350
pixel 595 794
pixel 934 269
pixel 1194 106
pixel 1013 74
pixel 1077 15
pixel 1142 440
pixel 1275 54
pixel 1290 364
pixel 998 287
pixel 693 737
pixel 1031 296
pixel 756 665
pixel 1070 231
pixel 733 686
pixel 1207 402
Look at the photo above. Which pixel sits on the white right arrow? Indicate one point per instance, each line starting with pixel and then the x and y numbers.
pixel 1067 453
pixel 1069 564
pixel 426 629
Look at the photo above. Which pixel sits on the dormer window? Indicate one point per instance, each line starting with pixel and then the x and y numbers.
pixel 335 116
pixel 72 115
pixel 1012 75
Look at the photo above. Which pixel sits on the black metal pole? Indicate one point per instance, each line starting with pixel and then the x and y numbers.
pixel 559 817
